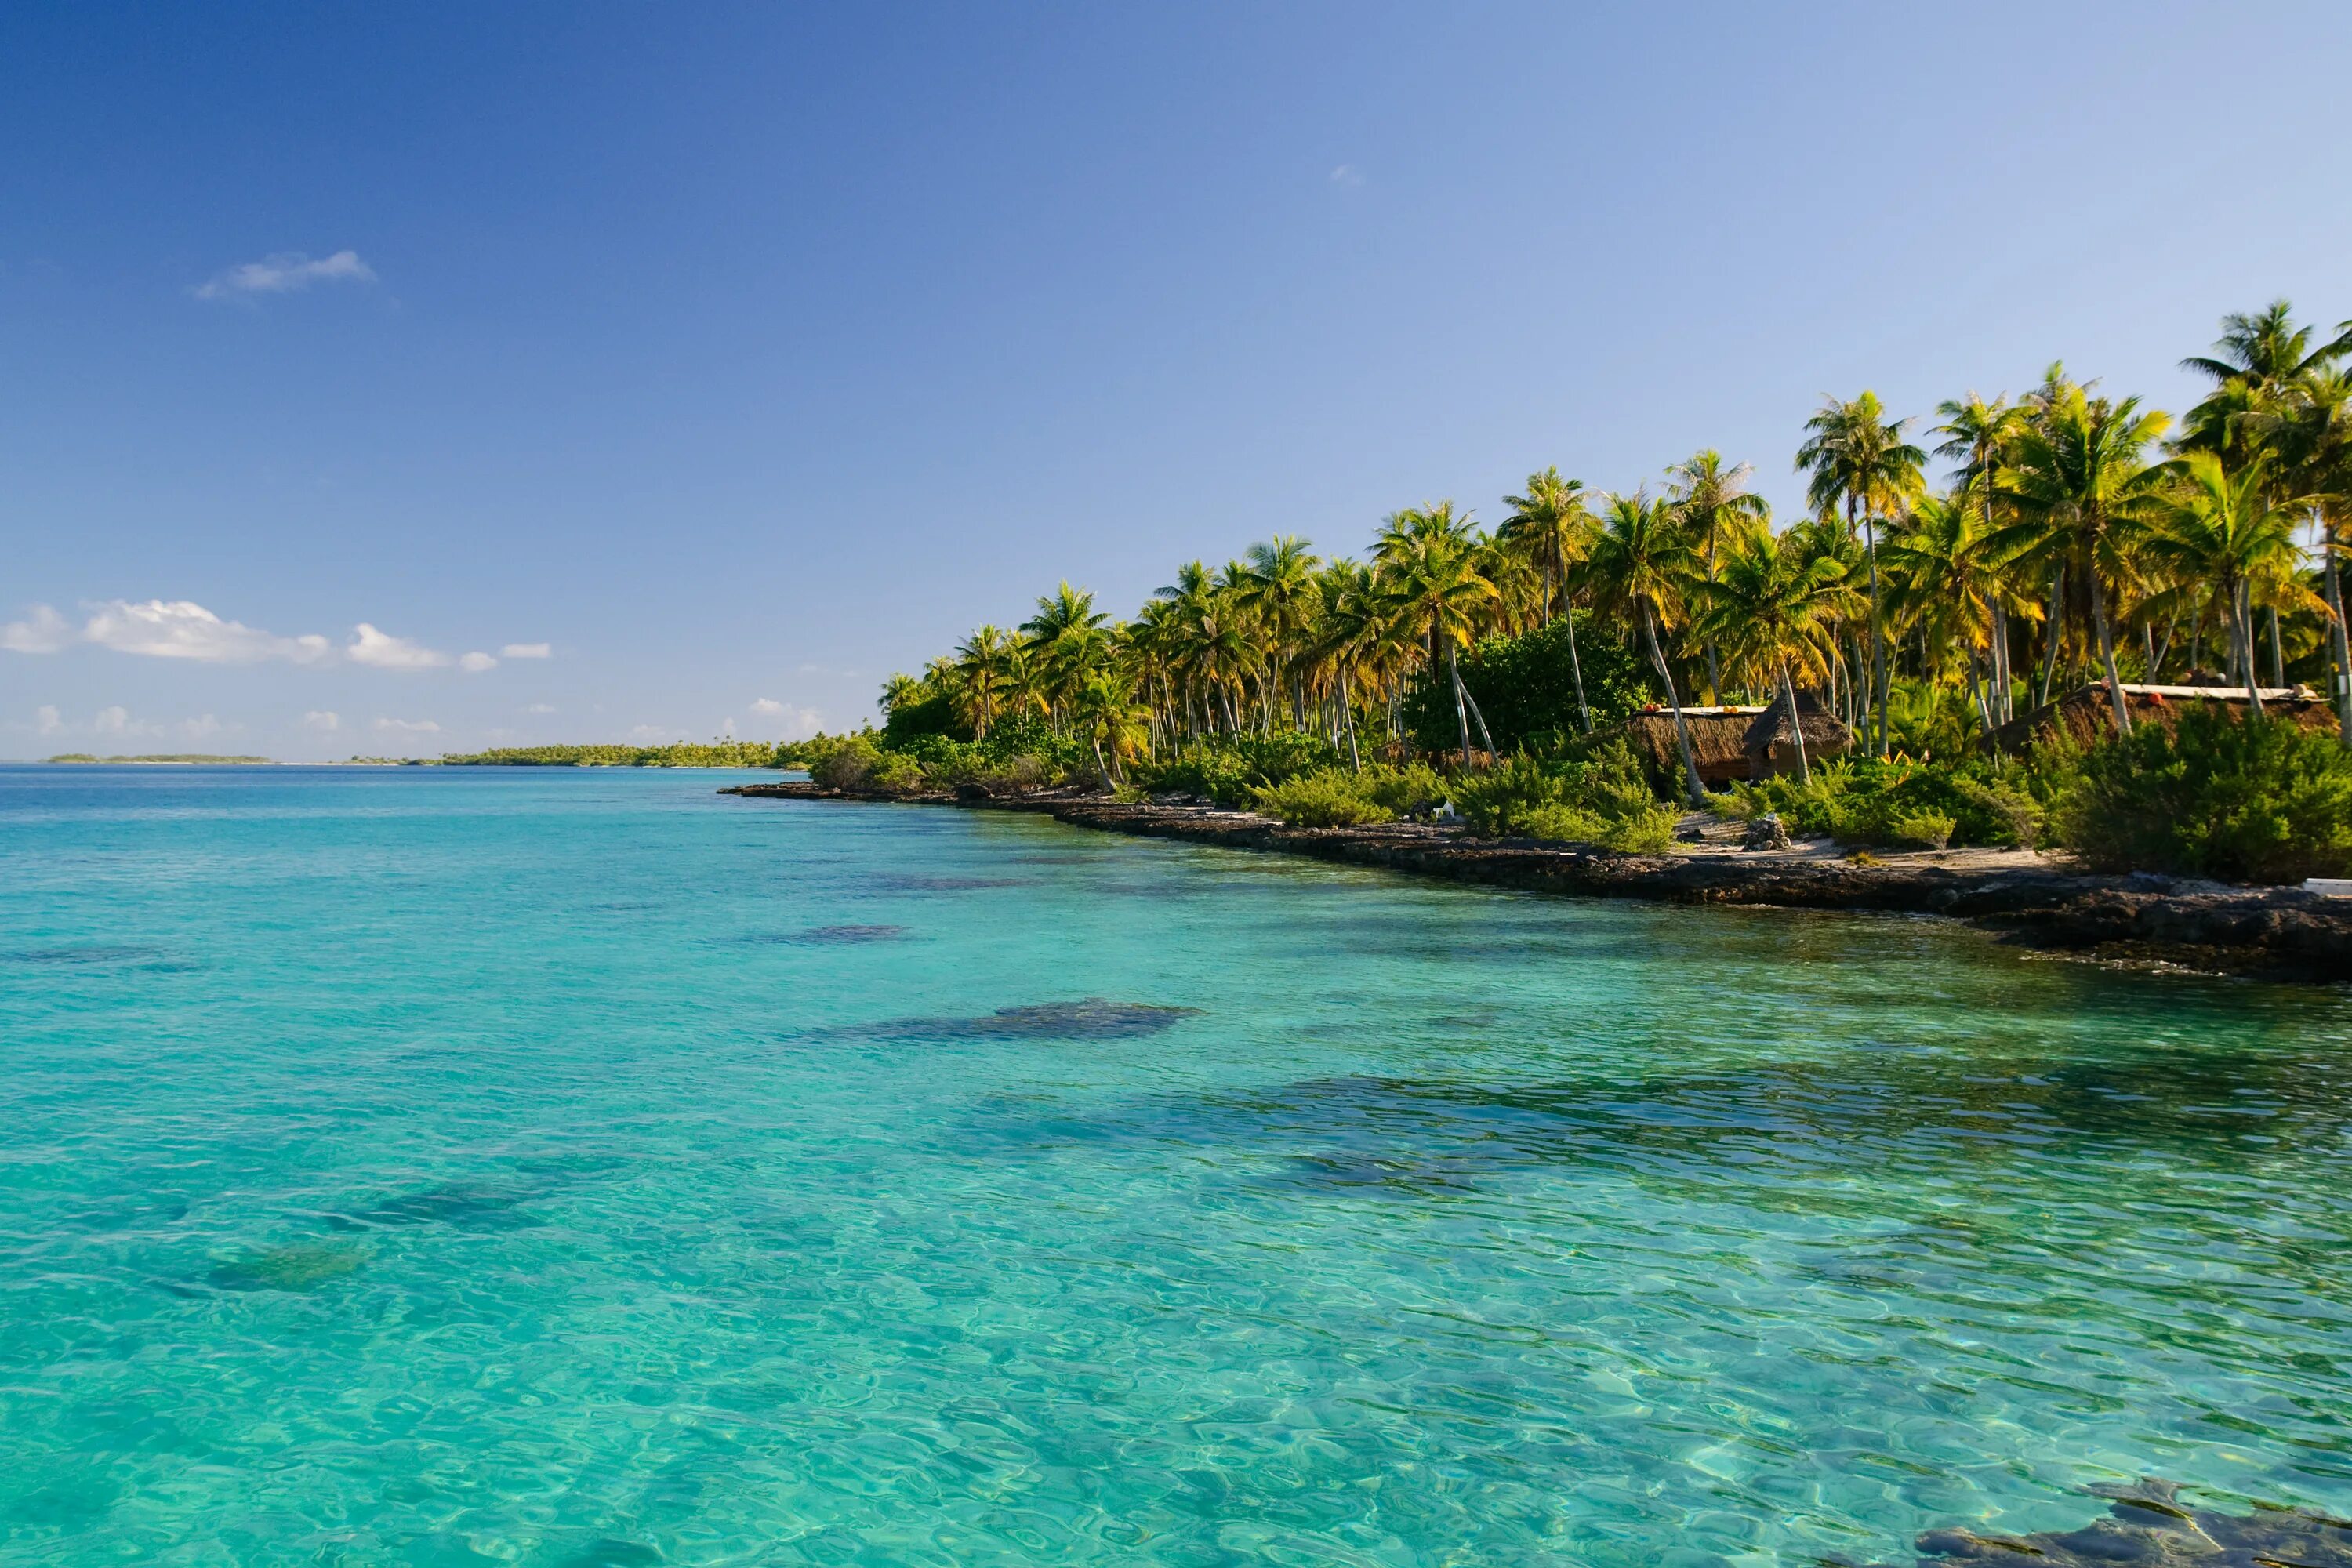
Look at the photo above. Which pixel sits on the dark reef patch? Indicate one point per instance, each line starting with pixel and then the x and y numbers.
pixel 300 1265
pixel 898 884
pixel 2148 1526
pixel 91 953
pixel 456 1203
pixel 1091 1019
pixel 821 936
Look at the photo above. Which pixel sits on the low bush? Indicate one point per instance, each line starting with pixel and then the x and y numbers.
pixel 1232 769
pixel 1321 800
pixel 846 763
pixel 2241 800
pixel 1898 804
pixel 1601 796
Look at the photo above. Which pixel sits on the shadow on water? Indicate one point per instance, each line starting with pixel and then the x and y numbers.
pixel 1090 1019
pixel 819 936
pixel 461 1205
pixel 94 954
pixel 2148 1526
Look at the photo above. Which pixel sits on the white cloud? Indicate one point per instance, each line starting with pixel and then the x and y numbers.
pixel 767 705
pixel 321 719
pixel 48 719
pixel 285 273
pixel 44 631
pixel 524 650
pixel 541 707
pixel 181 629
pixel 650 733
pixel 382 650
pixel 408 726
pixel 475 663
pixel 798 722
pixel 203 728
pixel 1347 174
pixel 112 721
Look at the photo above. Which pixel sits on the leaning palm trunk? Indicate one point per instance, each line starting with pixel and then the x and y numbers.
pixel 2049 633
pixel 1348 718
pixel 1879 662
pixel 2246 640
pixel 1100 766
pixel 2343 645
pixel 1682 728
pixel 2107 652
pixel 1478 719
pixel 1576 668
pixel 2278 656
pixel 1796 723
pixel 1460 713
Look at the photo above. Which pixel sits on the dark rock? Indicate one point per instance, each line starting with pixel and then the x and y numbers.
pixel 1092 1020
pixel 1766 832
pixel 2150 1526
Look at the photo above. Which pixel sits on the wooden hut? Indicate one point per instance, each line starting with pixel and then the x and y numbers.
pixel 1717 737
pixel 2088 714
pixel 1771 744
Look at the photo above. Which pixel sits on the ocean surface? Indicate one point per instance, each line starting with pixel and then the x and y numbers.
pixel 555 1167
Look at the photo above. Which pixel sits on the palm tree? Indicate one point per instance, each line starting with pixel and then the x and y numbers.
pixel 980 676
pixel 1944 582
pixel 1067 637
pixel 1277 588
pixel 1976 434
pixel 1709 499
pixel 1643 562
pixel 2219 531
pixel 1436 584
pixel 1552 520
pixel 1774 607
pixel 2081 481
pixel 1105 713
pixel 1857 458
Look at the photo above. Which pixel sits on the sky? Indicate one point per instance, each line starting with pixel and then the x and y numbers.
pixel 398 379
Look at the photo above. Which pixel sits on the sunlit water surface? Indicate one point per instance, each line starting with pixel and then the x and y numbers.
pixel 577 1168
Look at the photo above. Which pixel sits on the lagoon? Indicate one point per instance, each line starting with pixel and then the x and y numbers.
pixel 571 1167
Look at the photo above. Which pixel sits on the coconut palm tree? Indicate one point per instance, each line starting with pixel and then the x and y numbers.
pixel 1105 712
pixel 1552 522
pixel 1278 589
pixel 1643 563
pixel 1976 434
pixel 1774 607
pixel 1436 584
pixel 979 676
pixel 2219 531
pixel 1944 581
pixel 2080 480
pixel 1857 458
pixel 1067 637
pixel 1710 498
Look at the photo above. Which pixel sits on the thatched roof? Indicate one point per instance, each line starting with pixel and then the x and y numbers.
pixel 1825 734
pixel 1715 737
pixel 2087 714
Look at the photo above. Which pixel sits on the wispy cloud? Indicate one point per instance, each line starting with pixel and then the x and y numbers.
pixel 48 720
pixel 799 724
pixel 524 650
pixel 285 272
pixel 382 650
pixel 44 631
pixel 180 629
pixel 323 720
pixel 541 707
pixel 1347 174
pixel 475 663
pixel 408 726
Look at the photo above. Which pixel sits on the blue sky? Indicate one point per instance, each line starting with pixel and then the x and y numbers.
pixel 701 364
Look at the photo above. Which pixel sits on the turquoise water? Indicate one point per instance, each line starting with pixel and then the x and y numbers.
pixel 573 1168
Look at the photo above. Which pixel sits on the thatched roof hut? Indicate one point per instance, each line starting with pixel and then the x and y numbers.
pixel 2087 714
pixel 1771 744
pixel 1717 736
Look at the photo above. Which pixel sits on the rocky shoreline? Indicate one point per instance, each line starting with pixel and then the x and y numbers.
pixel 2281 932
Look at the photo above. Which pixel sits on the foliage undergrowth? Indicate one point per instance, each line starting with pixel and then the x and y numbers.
pixel 1338 797
pixel 1898 803
pixel 2241 800
pixel 1595 794
pixel 1232 769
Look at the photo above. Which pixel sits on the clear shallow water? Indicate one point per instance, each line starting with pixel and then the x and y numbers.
pixel 577 1168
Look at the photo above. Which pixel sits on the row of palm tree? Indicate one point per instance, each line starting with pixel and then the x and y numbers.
pixel 2069 529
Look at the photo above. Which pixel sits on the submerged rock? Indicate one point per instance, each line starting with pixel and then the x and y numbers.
pixel 826 936
pixel 1091 1019
pixel 2149 1525
pixel 298 1267
pixel 456 1203
pixel 91 953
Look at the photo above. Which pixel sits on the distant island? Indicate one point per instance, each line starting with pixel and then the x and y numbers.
pixel 182 757
pixel 679 754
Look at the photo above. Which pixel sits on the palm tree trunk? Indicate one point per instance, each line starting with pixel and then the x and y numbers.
pixel 1576 668
pixel 2108 653
pixel 2278 658
pixel 1796 723
pixel 1100 766
pixel 1682 728
pixel 2050 630
pixel 2246 638
pixel 2343 645
pixel 1460 713
pixel 1479 718
pixel 1348 718
pixel 1879 672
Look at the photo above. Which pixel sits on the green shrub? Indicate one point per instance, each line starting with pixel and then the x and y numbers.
pixel 1861 800
pixel 1327 799
pixel 1527 688
pixel 847 763
pixel 1230 768
pixel 895 772
pixel 1601 797
pixel 2241 800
